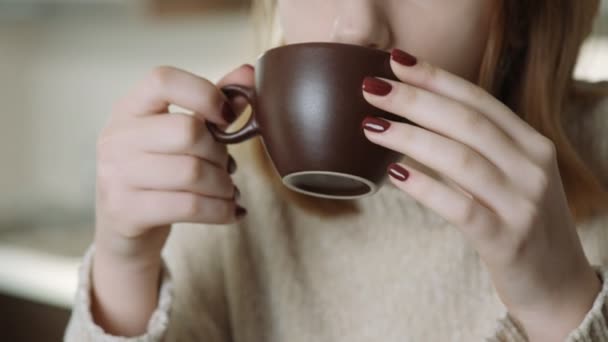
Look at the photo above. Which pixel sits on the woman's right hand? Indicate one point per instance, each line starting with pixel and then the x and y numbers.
pixel 155 168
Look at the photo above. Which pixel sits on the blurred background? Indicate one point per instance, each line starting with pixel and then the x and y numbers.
pixel 62 65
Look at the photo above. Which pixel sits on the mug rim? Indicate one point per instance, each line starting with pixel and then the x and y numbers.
pixel 373 187
pixel 322 45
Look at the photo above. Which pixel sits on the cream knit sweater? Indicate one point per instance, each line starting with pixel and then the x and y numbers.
pixel 396 272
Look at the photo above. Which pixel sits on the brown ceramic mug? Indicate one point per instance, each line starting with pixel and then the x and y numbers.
pixel 308 107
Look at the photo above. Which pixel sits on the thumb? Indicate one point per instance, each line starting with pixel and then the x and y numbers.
pixel 243 75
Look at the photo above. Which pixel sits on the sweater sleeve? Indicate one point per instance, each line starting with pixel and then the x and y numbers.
pixel 192 303
pixel 594 327
pixel 81 326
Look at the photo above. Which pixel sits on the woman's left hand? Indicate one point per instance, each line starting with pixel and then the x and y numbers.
pixel 507 196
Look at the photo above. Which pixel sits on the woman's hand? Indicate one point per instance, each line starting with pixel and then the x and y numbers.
pixel 506 194
pixel 155 168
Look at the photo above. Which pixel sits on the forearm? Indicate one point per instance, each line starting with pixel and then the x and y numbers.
pixel 566 313
pixel 124 292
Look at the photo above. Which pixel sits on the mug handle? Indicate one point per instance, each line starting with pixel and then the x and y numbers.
pixel 249 130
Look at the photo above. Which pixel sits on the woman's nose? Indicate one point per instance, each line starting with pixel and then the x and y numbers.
pixel 361 22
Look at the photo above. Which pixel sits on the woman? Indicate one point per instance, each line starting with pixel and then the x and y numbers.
pixel 477 242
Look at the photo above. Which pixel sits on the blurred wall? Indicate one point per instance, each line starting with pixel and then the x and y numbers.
pixel 60 71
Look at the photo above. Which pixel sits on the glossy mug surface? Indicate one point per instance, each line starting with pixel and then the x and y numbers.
pixel 308 106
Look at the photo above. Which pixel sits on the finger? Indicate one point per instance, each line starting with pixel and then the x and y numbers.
pixel 178 173
pixel 431 78
pixel 243 75
pixel 173 133
pixel 155 208
pixel 453 205
pixel 167 85
pixel 451 119
pixel 470 170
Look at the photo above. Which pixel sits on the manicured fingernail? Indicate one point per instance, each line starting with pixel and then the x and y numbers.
pixel 398 172
pixel 231 164
pixel 375 124
pixel 227 113
pixel 376 86
pixel 403 58
pixel 240 211
pixel 237 193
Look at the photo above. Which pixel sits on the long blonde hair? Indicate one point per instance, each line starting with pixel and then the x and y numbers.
pixel 528 64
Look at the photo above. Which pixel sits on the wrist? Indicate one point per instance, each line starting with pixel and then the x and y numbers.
pixel 564 313
pixel 135 263
pixel 140 250
pixel 124 291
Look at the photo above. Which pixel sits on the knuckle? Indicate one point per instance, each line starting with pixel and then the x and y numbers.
pixel 488 174
pixel 192 170
pixel 422 188
pixel 226 183
pixel 160 76
pixel 409 134
pixel 227 211
pixel 548 150
pixel 191 206
pixel 429 73
pixel 186 130
pixel 520 243
pixel 474 92
pixel 517 248
pixel 468 215
pixel 526 215
pixel 476 220
pixel 465 160
pixel 132 230
pixel 223 211
pixel 474 122
pixel 407 94
pixel 539 181
pixel 210 211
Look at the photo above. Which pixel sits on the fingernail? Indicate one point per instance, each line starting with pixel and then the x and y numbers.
pixel 240 211
pixel 403 58
pixel 227 113
pixel 376 86
pixel 237 193
pixel 249 66
pixel 398 172
pixel 231 164
pixel 375 124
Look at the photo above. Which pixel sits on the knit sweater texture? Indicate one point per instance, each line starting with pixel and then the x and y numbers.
pixel 395 272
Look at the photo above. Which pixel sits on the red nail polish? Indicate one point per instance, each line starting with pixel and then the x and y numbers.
pixel 231 164
pixel 376 86
pixel 227 113
pixel 403 58
pixel 240 211
pixel 398 172
pixel 375 124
